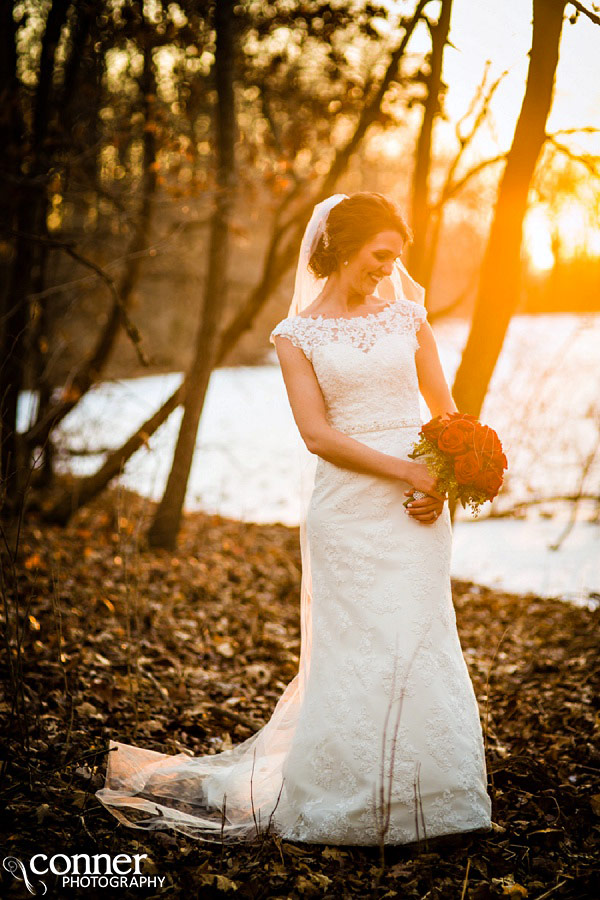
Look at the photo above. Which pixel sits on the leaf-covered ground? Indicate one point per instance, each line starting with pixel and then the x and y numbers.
pixel 191 650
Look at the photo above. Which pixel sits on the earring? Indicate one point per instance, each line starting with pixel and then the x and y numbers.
pixel 345 262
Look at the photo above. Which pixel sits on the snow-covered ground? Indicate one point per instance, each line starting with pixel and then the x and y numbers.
pixel 544 402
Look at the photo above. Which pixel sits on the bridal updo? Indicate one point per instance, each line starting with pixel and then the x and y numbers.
pixel 351 224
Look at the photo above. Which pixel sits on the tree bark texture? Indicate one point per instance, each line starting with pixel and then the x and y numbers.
pixel 27 218
pixel 164 528
pixel 431 108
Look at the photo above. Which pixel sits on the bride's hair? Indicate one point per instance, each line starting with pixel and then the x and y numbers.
pixel 351 224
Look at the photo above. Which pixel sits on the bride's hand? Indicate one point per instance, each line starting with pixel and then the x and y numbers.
pixel 424 509
pixel 421 479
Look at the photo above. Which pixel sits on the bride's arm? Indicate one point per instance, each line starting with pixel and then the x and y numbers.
pixel 432 381
pixel 308 408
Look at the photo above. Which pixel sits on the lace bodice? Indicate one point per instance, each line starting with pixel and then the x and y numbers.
pixel 365 365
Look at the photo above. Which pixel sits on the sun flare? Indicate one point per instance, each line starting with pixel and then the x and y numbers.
pixel 568 230
pixel 538 240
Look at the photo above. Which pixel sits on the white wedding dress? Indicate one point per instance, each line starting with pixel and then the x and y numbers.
pixel 378 736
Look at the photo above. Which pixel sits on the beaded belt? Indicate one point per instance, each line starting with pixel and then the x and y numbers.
pixel 379 425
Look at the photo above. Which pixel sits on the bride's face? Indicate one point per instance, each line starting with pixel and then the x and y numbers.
pixel 374 261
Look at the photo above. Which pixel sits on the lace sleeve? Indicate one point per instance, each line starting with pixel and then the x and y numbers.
pixel 294 330
pixel 418 315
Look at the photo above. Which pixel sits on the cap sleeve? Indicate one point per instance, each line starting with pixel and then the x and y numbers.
pixel 409 318
pixel 419 314
pixel 295 330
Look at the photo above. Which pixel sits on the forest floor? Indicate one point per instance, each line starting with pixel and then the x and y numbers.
pixel 189 651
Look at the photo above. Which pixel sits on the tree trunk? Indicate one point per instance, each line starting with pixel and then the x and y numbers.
pixel 420 191
pixel 500 273
pixel 84 489
pixel 69 99
pixel 164 529
pixel 29 212
pixel 12 130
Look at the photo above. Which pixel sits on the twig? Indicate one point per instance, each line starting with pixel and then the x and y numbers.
pixel 145 673
pixel 232 716
pixel 592 163
pixel 487 694
pixel 573 517
pixel 595 18
pixel 223 810
pixel 466 881
pixel 535 501
pixel 416 810
pixel 272 813
pixel 252 793
pixel 85 828
pixel 386 802
pixel 586 129
pixel 452 186
pixel 69 248
pixel 551 891
pixel 421 805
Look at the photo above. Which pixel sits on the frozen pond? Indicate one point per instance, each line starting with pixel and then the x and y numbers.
pixel 544 401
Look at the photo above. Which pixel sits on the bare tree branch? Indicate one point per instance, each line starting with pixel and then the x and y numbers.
pixel 151 250
pixel 69 248
pixel 482 99
pixel 587 129
pixel 85 488
pixel 592 163
pixel 88 372
pixel 534 501
pixel 592 16
pixel 465 140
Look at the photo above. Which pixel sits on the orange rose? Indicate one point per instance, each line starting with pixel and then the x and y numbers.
pixel 464 417
pixel 432 429
pixel 468 429
pixel 452 439
pixel 488 481
pixel 486 440
pixel 466 467
pixel 498 461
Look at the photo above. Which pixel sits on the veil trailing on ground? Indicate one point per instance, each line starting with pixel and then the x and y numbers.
pixel 233 795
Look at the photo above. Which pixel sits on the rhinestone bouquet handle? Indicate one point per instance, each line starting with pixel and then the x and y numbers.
pixel 416 495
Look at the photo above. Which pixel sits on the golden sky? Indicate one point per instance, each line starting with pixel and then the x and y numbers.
pixel 500 30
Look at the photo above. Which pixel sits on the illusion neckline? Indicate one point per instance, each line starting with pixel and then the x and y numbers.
pixel 372 315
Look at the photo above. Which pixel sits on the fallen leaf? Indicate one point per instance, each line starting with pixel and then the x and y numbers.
pixel 220 882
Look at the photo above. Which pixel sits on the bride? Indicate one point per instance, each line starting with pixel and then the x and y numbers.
pixel 377 739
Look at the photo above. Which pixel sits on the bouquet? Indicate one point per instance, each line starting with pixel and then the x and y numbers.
pixel 465 455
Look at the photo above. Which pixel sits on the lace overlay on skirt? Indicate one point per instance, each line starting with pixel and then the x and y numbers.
pixel 378 736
